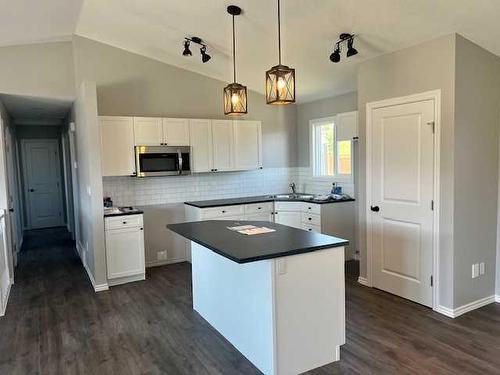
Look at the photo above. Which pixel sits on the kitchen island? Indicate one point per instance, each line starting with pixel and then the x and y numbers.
pixel 277 297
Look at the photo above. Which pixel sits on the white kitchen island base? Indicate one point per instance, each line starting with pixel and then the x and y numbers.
pixel 286 314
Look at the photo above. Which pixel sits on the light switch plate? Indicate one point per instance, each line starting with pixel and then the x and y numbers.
pixel 161 255
pixel 481 268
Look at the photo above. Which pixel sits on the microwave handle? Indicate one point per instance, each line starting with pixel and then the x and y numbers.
pixel 179 154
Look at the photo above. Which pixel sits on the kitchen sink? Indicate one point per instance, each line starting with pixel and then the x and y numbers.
pixel 293 196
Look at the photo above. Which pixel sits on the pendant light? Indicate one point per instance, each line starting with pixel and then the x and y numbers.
pixel 235 95
pixel 280 79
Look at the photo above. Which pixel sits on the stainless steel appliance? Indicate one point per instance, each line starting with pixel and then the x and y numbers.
pixel 162 160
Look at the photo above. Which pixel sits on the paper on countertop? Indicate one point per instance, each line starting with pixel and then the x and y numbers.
pixel 250 230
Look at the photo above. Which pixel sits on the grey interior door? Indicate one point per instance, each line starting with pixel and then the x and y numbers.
pixel 42 181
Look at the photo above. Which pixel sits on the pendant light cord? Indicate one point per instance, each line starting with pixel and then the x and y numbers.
pixel 234 55
pixel 279 34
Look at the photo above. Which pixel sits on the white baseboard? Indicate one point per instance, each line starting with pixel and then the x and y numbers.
pixel 497 298
pixel 363 281
pixel 454 313
pixel 97 287
pixel 157 263
pixel 4 307
pixel 79 249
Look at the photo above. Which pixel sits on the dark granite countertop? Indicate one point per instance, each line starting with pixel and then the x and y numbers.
pixel 242 248
pixel 259 199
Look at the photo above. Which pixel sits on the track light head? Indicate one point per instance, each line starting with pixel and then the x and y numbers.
pixel 205 57
pixel 335 56
pixel 351 51
pixel 187 51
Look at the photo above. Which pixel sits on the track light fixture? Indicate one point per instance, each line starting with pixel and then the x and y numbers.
pixel 205 57
pixel 351 51
pixel 187 51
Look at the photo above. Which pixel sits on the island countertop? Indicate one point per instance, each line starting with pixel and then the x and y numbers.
pixel 241 248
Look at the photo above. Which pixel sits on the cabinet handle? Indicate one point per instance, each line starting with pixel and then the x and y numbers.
pixel 309 208
pixel 259 208
pixel 124 222
pixel 310 230
pixel 223 212
pixel 142 228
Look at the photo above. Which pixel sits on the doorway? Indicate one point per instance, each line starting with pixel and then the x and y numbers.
pixel 402 203
pixel 41 166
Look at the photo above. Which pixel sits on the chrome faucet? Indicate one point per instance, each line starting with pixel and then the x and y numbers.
pixel 293 188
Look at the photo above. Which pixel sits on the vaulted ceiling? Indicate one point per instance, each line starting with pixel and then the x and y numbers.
pixel 156 28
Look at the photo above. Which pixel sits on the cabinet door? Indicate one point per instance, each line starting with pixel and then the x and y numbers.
pixel 176 131
pixel 263 216
pixel 347 126
pixel 148 131
pixel 117 146
pixel 247 145
pixel 290 218
pixel 222 136
pixel 201 145
pixel 124 252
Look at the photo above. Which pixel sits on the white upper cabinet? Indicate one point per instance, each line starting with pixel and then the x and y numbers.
pixel 148 131
pixel 117 146
pixel 223 145
pixel 176 131
pixel 201 145
pixel 347 125
pixel 247 145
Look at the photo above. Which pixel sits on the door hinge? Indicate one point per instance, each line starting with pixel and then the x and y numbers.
pixel 432 280
pixel 432 205
pixel 433 124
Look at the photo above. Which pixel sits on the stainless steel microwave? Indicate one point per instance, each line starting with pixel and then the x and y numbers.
pixel 162 160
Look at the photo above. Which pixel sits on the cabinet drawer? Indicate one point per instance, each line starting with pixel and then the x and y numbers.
pixel 313 219
pixel 256 208
pixel 312 228
pixel 288 206
pixel 125 221
pixel 220 212
pixel 311 207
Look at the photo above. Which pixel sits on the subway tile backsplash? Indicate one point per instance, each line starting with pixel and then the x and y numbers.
pixel 132 191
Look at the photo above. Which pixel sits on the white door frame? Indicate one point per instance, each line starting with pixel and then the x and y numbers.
pixel 434 95
pixel 25 142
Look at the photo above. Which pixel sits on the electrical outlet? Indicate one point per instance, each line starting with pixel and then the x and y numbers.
pixel 475 270
pixel 281 266
pixel 481 268
pixel 161 255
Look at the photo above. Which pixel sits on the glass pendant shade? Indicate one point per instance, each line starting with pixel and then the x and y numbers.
pixel 280 85
pixel 235 99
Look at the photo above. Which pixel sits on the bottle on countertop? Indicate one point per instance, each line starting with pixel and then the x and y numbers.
pixel 107 202
pixel 336 190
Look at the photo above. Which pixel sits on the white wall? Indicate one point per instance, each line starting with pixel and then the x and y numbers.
pixel 477 121
pixel 90 183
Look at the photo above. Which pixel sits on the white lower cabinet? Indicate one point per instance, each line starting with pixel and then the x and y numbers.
pixel 290 218
pixel 124 249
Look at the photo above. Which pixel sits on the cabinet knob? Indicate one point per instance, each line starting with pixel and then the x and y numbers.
pixel 223 212
pixel 142 228
pixel 310 230
pixel 309 218
pixel 259 208
pixel 124 222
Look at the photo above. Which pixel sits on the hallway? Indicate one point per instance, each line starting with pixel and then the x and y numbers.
pixel 56 324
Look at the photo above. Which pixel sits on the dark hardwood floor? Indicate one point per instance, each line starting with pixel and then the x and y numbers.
pixel 56 324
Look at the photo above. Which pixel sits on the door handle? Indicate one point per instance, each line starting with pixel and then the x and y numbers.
pixel 32 190
pixel 375 208
pixel 11 210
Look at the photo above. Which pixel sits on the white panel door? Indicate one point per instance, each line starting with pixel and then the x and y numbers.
pixel 247 145
pixel 117 146
pixel 402 195
pixel 42 180
pixel 201 145
pixel 176 131
pixel 223 145
pixel 124 252
pixel 290 218
pixel 148 131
